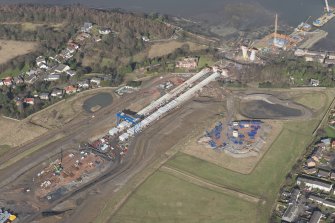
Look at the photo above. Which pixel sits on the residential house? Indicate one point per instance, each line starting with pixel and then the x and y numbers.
pixel 291 213
pixel 322 201
pixel 331 55
pixel 57 93
pixel 314 183
pixel 70 89
pixel 310 162
pixel 73 46
pixel 329 61
pixel 44 96
pixel 333 144
pixel 61 68
pixel 105 31
pixel 30 101
pixel 295 195
pixel 41 62
pixel 327 142
pixel 8 81
pixel 18 80
pixel 145 39
pixel 188 63
pixel 83 84
pixel 309 171
pixel 87 27
pixel 96 80
pixel 323 173
pixel 32 72
pixel 30 79
pixel 332 175
pixel 71 73
pixel 314 82
pixel 316 217
pixel 52 77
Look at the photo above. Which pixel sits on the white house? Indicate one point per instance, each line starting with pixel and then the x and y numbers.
pixel 105 31
pixel 61 68
pixel 71 73
pixel 52 77
pixel 96 80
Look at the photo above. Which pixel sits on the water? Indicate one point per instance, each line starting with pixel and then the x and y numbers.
pixel 259 109
pixel 102 100
pixel 290 12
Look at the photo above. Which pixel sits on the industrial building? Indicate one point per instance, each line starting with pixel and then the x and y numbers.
pixel 315 183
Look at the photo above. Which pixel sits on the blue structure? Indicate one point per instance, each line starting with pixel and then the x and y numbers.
pixel 135 121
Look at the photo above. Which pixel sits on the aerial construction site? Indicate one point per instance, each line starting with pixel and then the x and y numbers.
pixel 53 177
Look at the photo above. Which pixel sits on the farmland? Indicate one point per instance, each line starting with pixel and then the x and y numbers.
pixel 164 48
pixel 165 198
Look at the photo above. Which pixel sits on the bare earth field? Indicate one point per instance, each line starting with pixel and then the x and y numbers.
pixel 10 49
pixel 14 133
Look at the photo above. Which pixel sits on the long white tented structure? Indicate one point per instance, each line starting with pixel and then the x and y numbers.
pixel 171 105
pixel 167 97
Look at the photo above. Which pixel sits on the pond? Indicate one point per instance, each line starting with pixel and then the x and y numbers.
pixel 259 109
pixel 98 101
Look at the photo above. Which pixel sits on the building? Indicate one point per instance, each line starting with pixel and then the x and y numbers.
pixel 329 61
pixel 18 80
pixel 52 77
pixel 105 31
pixel 30 101
pixel 310 162
pixel 309 171
pixel 96 80
pixel 145 39
pixel 188 63
pixel 333 144
pixel 44 96
pixel 61 68
pixel 314 82
pixel 31 79
pixel 291 213
pixel 316 217
pixel 87 27
pixel 312 183
pixel 323 173
pixel 327 142
pixel 83 84
pixel 71 73
pixel 70 89
pixel 322 201
pixel 57 93
pixel 8 81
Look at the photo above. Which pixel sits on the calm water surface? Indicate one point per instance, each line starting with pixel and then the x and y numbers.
pixel 291 12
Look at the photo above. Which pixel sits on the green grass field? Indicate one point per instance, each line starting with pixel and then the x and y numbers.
pixel 205 60
pixel 315 100
pixel 268 175
pixel 164 198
